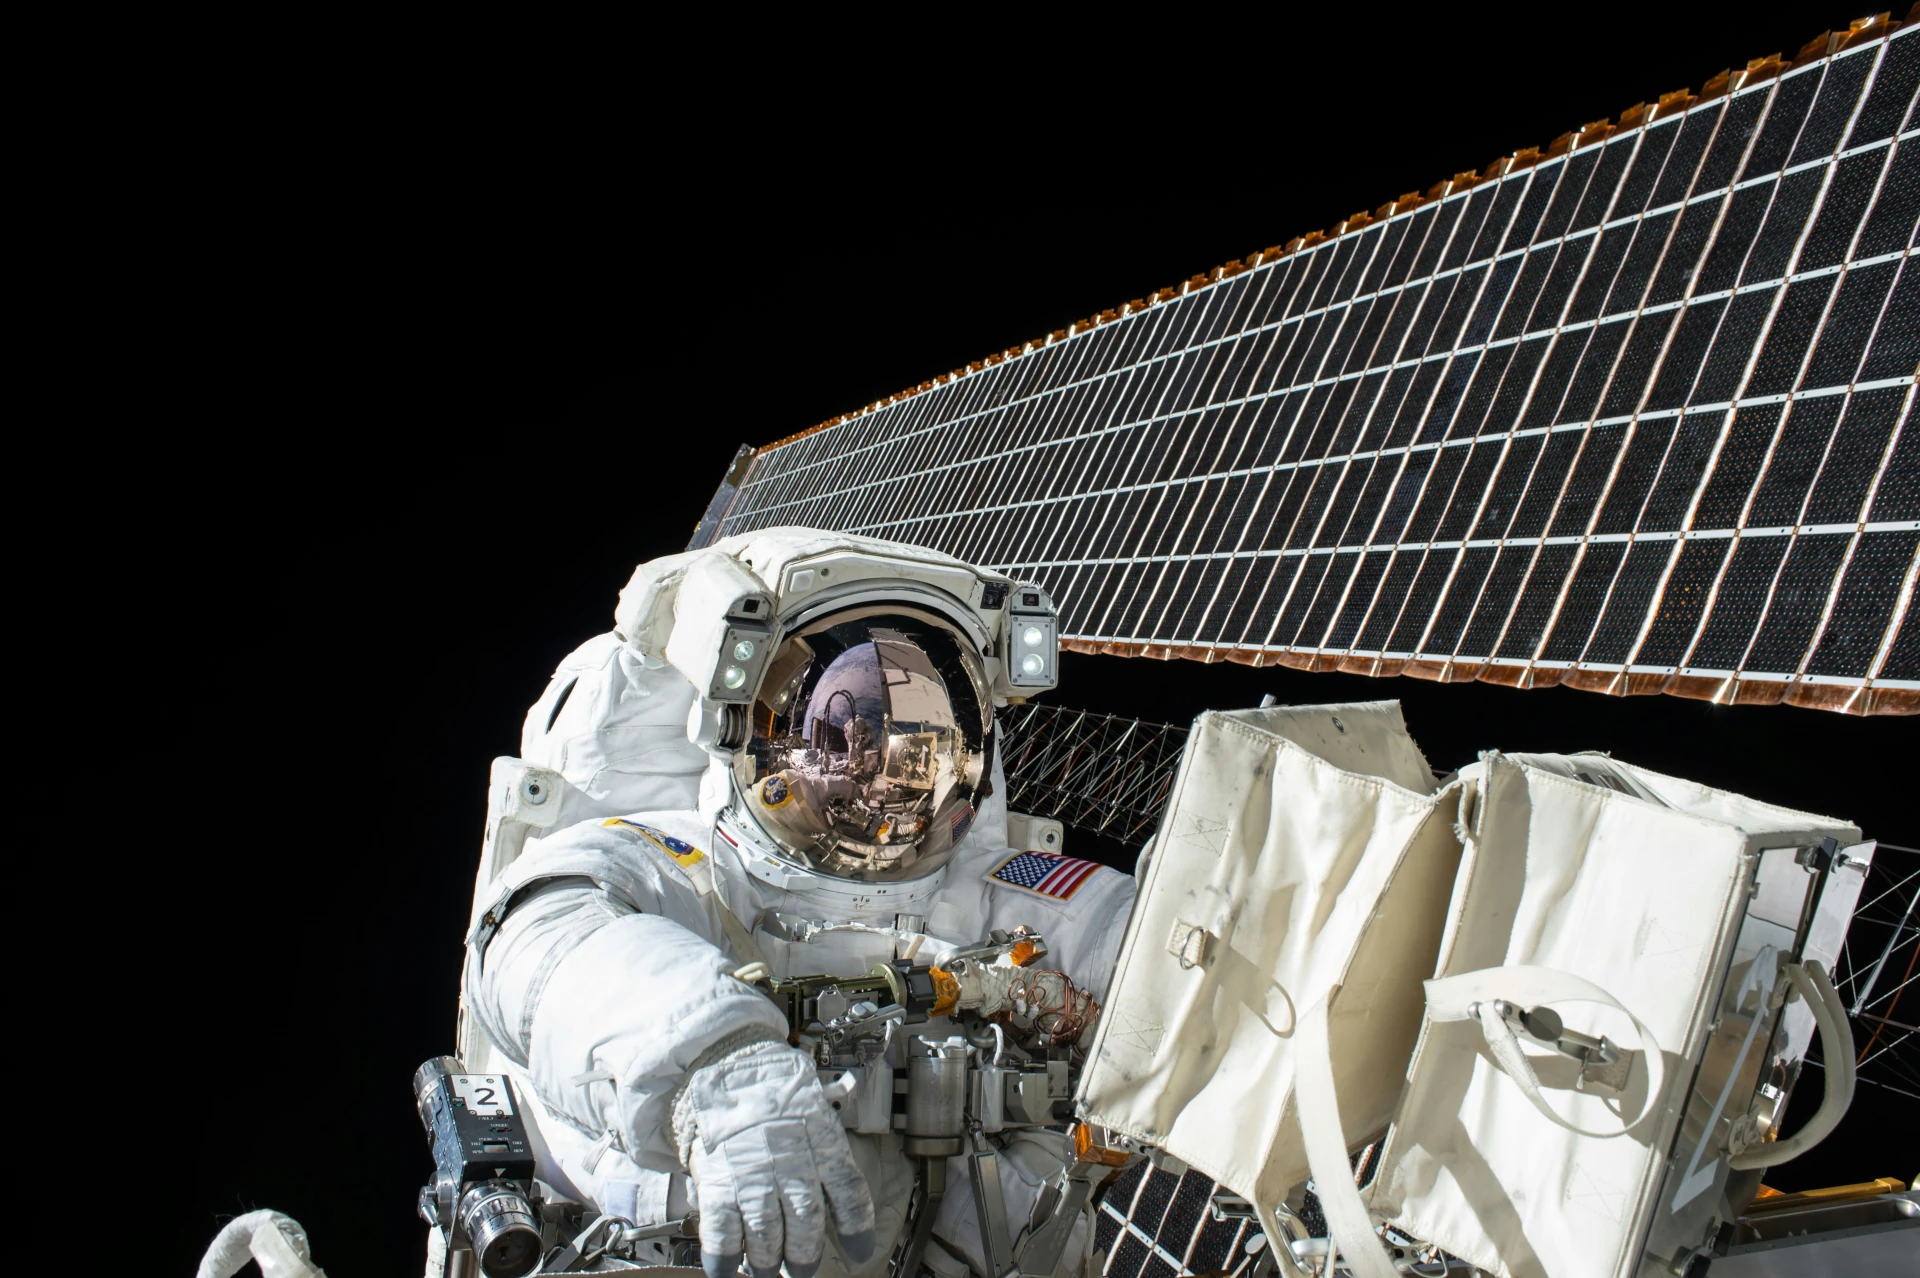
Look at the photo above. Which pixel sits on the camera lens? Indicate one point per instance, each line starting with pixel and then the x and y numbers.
pixel 501 1226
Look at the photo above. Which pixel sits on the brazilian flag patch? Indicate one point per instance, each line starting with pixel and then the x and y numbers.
pixel 679 849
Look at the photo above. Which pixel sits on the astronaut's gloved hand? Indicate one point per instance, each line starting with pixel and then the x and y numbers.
pixel 769 1158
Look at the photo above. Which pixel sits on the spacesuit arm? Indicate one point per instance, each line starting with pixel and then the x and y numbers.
pixel 607 1007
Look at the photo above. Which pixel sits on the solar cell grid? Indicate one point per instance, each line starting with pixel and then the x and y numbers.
pixel 1797 602
pixel 1585 597
pixel 1129 1257
pixel 1496 599
pixel 1490 432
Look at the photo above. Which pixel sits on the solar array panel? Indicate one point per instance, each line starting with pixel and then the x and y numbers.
pixel 1632 414
pixel 1159 1224
pixel 1153 1221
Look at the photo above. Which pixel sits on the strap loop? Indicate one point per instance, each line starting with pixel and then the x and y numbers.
pixel 1326 1142
pixel 1454 998
pixel 1449 999
pixel 1836 1048
pixel 598 1151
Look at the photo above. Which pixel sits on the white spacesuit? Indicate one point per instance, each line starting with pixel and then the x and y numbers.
pixel 781 762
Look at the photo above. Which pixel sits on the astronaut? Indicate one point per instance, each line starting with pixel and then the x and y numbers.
pixel 781 762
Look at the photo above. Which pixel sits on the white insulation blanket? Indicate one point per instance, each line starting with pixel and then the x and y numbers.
pixel 1302 848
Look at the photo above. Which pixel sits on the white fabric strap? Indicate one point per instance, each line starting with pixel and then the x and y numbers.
pixel 1505 1046
pixel 1448 999
pixel 706 882
pixel 1326 1143
pixel 1836 1047
pixel 599 1149
pixel 1454 998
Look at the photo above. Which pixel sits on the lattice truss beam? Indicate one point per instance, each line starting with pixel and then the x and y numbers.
pixel 1631 414
pixel 1095 772
pixel 1876 974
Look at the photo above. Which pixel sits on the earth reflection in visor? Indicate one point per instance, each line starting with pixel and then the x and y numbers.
pixel 870 741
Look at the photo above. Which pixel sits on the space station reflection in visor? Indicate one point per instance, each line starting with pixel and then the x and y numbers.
pixel 862 764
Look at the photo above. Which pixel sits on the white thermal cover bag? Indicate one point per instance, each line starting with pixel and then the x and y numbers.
pixel 1302 847
pixel 1617 897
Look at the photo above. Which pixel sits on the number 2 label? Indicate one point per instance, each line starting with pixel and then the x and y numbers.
pixel 485 1095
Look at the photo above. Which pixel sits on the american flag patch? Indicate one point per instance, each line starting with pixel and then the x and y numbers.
pixel 1045 874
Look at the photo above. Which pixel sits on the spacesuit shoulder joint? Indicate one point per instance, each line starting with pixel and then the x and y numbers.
pixel 496 914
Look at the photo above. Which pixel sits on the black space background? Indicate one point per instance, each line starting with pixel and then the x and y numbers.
pixel 428 350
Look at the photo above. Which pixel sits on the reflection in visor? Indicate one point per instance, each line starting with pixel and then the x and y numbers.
pixel 864 761
pixel 910 759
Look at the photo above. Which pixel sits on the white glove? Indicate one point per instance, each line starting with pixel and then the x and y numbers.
pixel 768 1157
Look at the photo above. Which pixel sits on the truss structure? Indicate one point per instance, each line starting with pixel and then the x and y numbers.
pixel 1877 974
pixel 1095 772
